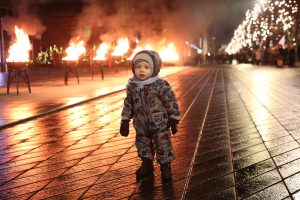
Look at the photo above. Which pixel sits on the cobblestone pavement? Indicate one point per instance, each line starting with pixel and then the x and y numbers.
pixel 238 139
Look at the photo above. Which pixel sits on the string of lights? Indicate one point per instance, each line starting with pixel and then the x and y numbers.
pixel 264 25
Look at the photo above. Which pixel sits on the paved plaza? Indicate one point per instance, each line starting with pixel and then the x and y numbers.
pixel 239 138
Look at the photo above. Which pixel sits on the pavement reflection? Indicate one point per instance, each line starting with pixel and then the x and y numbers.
pixel 237 140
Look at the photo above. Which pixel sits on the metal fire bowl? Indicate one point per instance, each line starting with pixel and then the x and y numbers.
pixel 118 58
pixel 70 63
pixel 100 62
pixel 17 65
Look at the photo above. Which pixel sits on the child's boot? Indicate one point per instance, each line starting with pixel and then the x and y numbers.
pixel 166 172
pixel 146 168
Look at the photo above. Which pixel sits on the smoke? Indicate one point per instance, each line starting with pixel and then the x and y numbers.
pixel 25 20
pixel 147 20
pixel 114 19
pixel 151 21
pixel 88 21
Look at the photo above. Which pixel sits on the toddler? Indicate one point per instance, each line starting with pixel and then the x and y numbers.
pixel 152 104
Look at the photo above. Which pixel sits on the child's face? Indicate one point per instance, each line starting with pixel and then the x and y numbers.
pixel 143 71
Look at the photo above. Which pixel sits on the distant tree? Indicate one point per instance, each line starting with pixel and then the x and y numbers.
pixel 265 24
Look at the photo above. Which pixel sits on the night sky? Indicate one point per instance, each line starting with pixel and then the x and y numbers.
pixel 230 14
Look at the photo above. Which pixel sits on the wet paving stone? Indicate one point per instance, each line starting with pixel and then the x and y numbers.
pixel 204 191
pixel 293 183
pixel 289 168
pixel 63 188
pixel 279 141
pixel 284 148
pixel 271 134
pixel 251 159
pixel 288 198
pixel 246 144
pixel 75 194
pixel 277 191
pixel 287 157
pixel 254 170
pixel 244 130
pixel 209 147
pixel 296 195
pixel 209 155
pixel 23 180
pixel 228 194
pixel 18 191
pixel 201 173
pixel 240 138
pixel 248 151
pixel 149 190
pixel 104 187
pixel 236 140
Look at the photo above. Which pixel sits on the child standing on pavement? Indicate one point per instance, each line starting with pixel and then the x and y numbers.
pixel 152 104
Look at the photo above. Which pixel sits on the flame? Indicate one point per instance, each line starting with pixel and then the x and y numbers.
pixel 169 54
pixel 101 52
pixel 19 51
pixel 137 49
pixel 148 47
pixel 121 48
pixel 75 50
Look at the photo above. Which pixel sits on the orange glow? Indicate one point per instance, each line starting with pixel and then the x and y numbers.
pixel 107 90
pixel 19 50
pixel 169 53
pixel 261 80
pixel 137 49
pixel 101 52
pixel 121 48
pixel 148 47
pixel 19 112
pixel 78 114
pixel 74 51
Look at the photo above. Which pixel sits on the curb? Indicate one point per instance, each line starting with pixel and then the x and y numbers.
pixel 10 124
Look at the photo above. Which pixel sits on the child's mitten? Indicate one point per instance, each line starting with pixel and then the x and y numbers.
pixel 124 128
pixel 173 124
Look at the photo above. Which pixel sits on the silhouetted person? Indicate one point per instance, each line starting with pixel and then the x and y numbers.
pixel 291 56
pixel 298 52
pixel 280 56
pixel 257 56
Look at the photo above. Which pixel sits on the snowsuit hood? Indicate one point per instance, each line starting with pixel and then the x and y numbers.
pixel 155 58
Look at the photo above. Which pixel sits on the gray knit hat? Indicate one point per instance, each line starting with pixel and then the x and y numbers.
pixel 143 57
pixel 150 57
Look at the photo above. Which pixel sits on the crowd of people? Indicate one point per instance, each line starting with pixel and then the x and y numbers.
pixel 278 56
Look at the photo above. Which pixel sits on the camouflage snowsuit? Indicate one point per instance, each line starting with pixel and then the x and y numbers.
pixel 150 107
